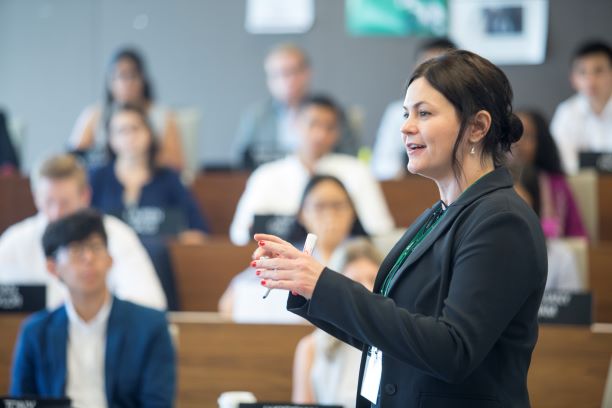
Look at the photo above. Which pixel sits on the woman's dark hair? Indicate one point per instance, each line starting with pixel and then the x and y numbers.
pixel 530 181
pixel 298 233
pixel 153 146
pixel 76 227
pixel 471 84
pixel 135 58
pixel 546 155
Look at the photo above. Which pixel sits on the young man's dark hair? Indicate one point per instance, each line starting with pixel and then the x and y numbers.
pixel 592 47
pixel 72 228
pixel 322 101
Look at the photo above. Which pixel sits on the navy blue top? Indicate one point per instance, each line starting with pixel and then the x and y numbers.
pixel 164 197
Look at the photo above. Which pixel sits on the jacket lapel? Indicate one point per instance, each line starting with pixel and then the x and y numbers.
pixel 57 344
pixel 389 261
pixel 114 344
pixel 498 178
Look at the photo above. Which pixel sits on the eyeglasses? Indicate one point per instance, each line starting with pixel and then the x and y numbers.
pixel 335 206
pixel 76 251
pixel 126 76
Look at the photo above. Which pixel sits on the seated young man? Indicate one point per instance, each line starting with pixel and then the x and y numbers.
pixel 96 349
pixel 60 187
pixel 583 122
pixel 275 188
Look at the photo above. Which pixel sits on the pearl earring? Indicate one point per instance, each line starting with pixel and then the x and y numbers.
pixel 472 151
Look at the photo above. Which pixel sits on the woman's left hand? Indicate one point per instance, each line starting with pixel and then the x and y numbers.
pixel 285 267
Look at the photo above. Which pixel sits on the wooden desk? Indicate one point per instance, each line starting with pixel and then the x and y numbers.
pixel 408 197
pixel 203 272
pixel 16 201
pixel 217 194
pixel 604 206
pixel 568 369
pixel 219 357
pixel 600 280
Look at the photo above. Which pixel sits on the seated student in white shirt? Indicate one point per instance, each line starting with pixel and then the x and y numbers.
pixel 389 153
pixel 584 121
pixel 97 350
pixel 275 188
pixel 60 188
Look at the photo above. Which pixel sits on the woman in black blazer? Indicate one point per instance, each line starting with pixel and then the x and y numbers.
pixel 452 321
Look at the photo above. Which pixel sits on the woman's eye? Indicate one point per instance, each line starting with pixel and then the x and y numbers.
pixel 424 113
pixel 405 115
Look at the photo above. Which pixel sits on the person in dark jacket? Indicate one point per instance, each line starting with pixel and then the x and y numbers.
pixel 452 320
pixel 96 349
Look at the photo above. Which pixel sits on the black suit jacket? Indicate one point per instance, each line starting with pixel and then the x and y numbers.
pixel 460 322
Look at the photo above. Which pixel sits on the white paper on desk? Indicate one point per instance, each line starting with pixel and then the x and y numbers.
pixel 279 16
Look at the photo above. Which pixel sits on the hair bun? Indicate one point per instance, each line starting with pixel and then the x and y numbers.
pixel 513 131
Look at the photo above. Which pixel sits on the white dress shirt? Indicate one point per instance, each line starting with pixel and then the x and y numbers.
pixel 389 155
pixel 276 188
pixel 132 276
pixel 577 128
pixel 85 384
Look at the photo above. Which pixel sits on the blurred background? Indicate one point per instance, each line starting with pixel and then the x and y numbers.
pixel 54 55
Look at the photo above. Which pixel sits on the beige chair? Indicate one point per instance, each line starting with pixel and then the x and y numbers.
pixel 580 250
pixel 189 120
pixel 584 187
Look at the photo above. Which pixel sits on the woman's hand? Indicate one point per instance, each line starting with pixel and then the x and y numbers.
pixel 286 267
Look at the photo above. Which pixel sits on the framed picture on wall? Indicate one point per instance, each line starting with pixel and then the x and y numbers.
pixel 507 32
pixel 396 17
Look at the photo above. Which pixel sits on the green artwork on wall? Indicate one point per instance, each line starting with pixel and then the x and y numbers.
pixel 397 17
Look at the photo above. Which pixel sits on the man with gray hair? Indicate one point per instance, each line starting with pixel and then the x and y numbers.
pixel 267 130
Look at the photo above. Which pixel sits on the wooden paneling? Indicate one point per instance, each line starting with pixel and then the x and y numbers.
pixel 568 369
pixel 604 206
pixel 214 358
pixel 408 197
pixel 16 201
pixel 600 280
pixel 203 272
pixel 9 328
pixel 217 194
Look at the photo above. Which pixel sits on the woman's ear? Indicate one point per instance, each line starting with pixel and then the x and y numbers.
pixel 479 127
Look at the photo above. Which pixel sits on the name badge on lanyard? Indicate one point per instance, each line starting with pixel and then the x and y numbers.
pixel 372 375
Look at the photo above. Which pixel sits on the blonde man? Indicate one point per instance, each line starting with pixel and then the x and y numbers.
pixel 60 188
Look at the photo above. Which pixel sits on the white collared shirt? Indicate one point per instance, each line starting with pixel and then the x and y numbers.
pixel 577 128
pixel 85 352
pixel 132 276
pixel 276 188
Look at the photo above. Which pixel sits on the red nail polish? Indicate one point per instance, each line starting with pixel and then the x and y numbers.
pixel 261 243
pixel 257 272
pixel 263 283
pixel 253 264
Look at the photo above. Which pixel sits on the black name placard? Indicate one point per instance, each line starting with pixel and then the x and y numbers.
pixel 601 161
pixel 566 308
pixel 22 298
pixel 10 402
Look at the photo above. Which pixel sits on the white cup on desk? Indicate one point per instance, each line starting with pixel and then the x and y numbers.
pixel 231 399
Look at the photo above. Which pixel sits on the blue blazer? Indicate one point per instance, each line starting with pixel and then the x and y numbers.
pixel 140 366
pixel 460 321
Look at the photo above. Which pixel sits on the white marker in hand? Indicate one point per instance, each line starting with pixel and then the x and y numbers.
pixel 309 245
